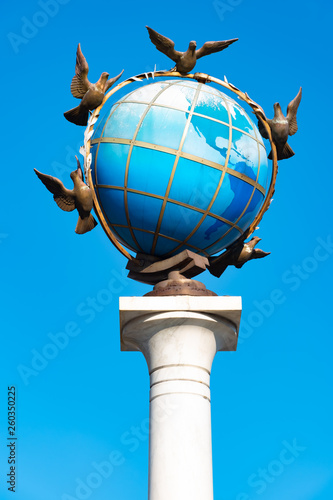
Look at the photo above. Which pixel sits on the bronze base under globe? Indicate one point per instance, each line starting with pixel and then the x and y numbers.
pixel 176 284
pixel 170 276
pixel 152 270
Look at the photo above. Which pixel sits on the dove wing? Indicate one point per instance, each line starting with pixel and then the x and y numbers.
pixel 292 111
pixel 63 197
pixel 164 44
pixel 112 81
pixel 259 254
pixel 80 83
pixel 211 47
pixel 217 267
pixel 262 130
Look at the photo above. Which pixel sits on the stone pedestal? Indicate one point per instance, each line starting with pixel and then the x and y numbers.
pixel 179 337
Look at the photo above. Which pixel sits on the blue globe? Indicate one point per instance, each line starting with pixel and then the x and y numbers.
pixel 178 165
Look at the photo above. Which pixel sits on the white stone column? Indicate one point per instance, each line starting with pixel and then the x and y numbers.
pixel 179 337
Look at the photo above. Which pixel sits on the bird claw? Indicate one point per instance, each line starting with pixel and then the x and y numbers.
pixel 202 77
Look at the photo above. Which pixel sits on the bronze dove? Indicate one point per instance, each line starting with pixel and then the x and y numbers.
pixel 185 61
pixel 236 256
pixel 80 197
pixel 92 94
pixel 281 127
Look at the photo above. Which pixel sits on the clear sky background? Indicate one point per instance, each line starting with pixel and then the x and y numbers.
pixel 272 399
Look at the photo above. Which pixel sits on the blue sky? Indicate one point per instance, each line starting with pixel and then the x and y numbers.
pixel 89 403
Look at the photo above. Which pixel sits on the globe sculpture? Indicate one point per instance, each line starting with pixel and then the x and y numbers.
pixel 176 172
pixel 178 165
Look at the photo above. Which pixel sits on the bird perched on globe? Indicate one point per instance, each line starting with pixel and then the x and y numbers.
pixel 186 61
pixel 80 197
pixel 282 126
pixel 177 171
pixel 91 94
pixel 238 255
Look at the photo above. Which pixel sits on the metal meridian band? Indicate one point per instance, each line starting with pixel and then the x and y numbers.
pixel 178 153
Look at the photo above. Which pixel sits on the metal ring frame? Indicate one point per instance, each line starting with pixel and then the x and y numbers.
pixel 203 78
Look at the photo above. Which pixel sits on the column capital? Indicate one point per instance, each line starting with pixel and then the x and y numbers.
pixel 223 308
pixel 183 327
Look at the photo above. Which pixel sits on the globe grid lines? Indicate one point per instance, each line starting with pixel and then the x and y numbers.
pixel 125 100
pixel 174 202
pixel 253 191
pixel 148 107
pixel 125 193
pixel 98 146
pixel 192 233
pixel 179 153
pixel 217 92
pixel 116 106
pixel 210 118
pixel 188 156
pixel 180 147
pixel 220 181
pixel 144 114
pixel 195 113
pixel 232 172
pixel 246 206
pixel 116 187
pixel 96 179
pixel 167 237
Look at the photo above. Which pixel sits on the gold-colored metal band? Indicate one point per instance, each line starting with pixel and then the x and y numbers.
pixel 257 110
pixel 244 209
pixel 197 249
pixel 217 190
pixel 170 200
pixel 100 216
pixel 98 145
pixel 166 196
pixel 187 156
pixel 144 114
pixel 195 113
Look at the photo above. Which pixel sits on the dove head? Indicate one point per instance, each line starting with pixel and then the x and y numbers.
pixel 277 109
pixel 103 78
pixel 102 81
pixel 256 239
pixel 192 46
pixel 253 242
pixel 77 174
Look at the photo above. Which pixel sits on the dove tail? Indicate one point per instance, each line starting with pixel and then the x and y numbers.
pixel 286 153
pixel 77 115
pixel 283 154
pixel 217 269
pixel 85 225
